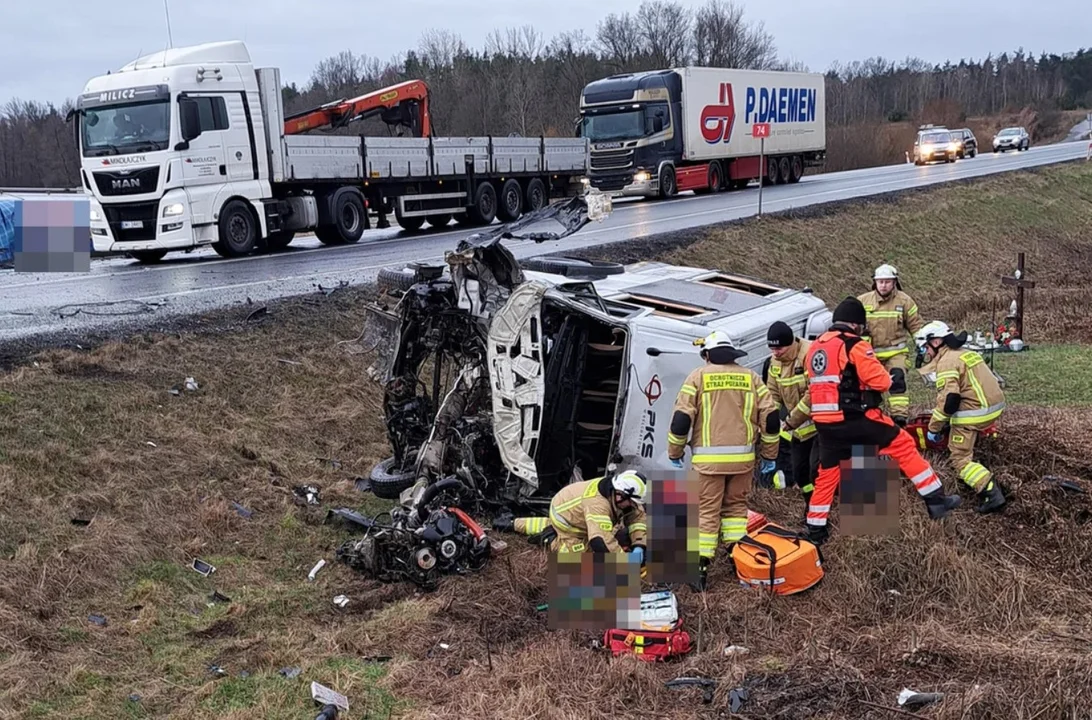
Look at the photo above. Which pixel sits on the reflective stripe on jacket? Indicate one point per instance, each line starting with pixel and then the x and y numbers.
pixel 891 322
pixel 966 374
pixel 721 412
pixel 788 383
pixel 581 510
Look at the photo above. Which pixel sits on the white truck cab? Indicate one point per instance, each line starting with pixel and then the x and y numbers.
pixel 167 142
pixel 189 147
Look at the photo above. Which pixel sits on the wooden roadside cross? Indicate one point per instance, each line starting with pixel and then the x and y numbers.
pixel 1020 282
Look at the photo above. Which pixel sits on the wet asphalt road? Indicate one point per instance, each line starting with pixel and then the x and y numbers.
pixel 35 304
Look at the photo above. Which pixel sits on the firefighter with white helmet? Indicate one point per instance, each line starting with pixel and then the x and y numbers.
pixel 722 410
pixel 586 515
pixel 969 398
pixel 892 319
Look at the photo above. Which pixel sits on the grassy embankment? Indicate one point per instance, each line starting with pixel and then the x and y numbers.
pixel 994 611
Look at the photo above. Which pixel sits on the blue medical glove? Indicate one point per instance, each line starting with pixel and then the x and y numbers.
pixel 767 466
pixel 637 555
pixel 933 437
pixel 677 462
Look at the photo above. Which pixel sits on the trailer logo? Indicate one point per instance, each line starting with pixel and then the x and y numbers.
pixel 781 105
pixel 653 390
pixel 717 120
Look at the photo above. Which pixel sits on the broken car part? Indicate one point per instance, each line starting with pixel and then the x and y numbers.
pixel 314 571
pixel 203 567
pixel 707 685
pixel 427 538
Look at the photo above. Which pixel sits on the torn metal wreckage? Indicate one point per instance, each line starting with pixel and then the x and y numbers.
pixel 514 378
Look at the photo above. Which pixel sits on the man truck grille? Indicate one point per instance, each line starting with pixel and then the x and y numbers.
pixel 132 222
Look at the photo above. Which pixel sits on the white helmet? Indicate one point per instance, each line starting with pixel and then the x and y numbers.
pixel 630 484
pixel 930 331
pixel 886 272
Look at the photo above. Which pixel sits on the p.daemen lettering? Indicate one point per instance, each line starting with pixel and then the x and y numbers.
pixel 780 105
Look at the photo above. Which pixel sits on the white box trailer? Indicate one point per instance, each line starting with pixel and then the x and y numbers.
pixel 191 146
pixel 720 107
pixel 662 132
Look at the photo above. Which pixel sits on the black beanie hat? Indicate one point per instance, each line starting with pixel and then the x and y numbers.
pixel 779 335
pixel 850 310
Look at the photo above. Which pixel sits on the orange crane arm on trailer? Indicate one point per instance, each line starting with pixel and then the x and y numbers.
pixel 405 103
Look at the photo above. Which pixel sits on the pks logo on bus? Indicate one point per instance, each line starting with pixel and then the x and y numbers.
pixel 717 120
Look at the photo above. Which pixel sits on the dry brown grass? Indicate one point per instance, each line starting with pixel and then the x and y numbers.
pixel 993 611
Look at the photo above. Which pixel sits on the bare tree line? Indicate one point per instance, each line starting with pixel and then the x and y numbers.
pixel 522 83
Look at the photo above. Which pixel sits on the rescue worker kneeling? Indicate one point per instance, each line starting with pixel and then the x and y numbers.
pixel 722 410
pixel 845 390
pixel 969 398
pixel 586 515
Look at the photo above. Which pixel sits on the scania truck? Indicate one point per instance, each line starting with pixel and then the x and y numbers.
pixel 662 132
pixel 190 146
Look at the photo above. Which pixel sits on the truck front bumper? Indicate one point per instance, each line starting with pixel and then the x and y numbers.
pixel 119 228
pixel 636 184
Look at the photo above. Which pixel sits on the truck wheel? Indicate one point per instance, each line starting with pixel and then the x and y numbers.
pixel 484 209
pixel 797 169
pixel 348 212
pixel 279 240
pixel 238 230
pixel 784 171
pixel 439 221
pixel 668 186
pixel 147 257
pixel 715 184
pixel 511 201
pixel 535 198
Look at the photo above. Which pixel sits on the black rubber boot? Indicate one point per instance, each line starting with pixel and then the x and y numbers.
pixel 992 498
pixel 939 505
pixel 818 534
pixel 545 537
pixel 505 522
pixel 703 575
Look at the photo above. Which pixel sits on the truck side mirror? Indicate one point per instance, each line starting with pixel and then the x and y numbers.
pixel 189 119
pixel 658 124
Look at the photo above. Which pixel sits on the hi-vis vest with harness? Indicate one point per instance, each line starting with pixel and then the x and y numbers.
pixel 834 388
pixel 722 411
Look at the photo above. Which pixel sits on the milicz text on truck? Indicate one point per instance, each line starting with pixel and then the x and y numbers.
pixel 662 132
pixel 190 146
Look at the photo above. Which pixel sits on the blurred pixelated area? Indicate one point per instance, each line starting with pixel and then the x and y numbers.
pixel 869 494
pixel 48 234
pixel 673 527
pixel 593 591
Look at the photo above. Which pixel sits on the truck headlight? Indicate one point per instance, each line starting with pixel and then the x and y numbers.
pixel 641 177
pixel 96 216
pixel 173 210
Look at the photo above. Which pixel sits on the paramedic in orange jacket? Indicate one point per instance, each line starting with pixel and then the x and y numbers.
pixel 845 389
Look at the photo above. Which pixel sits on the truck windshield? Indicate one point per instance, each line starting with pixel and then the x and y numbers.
pixel 122 129
pixel 627 125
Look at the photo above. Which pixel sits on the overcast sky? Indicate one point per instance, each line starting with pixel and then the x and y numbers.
pixel 50 48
